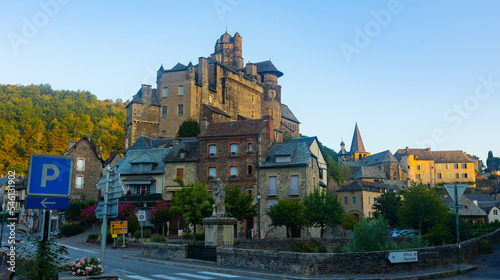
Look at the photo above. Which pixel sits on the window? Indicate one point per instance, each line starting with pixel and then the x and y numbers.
pixel 249 169
pixel 440 176
pixel 345 200
pixel 212 173
pixel 353 200
pixel 233 172
pixel 79 182
pixel 448 175
pixel 182 155
pixel 456 165
pixel 282 159
pixel 165 91
pixel 138 112
pixel 439 166
pixel 253 115
pixel 164 111
pixel 210 99
pixel 464 165
pixel 447 166
pixel 457 175
pixel 233 148
pixel 212 151
pixel 368 200
pixel 272 112
pixel 141 167
pixel 419 176
pixel 80 164
pixel 180 173
pixel 250 147
pixel 181 109
pixel 375 200
pixel 418 167
pixel 495 212
pixel 464 175
pixel 181 90
pixel 272 186
pixel 142 189
pixel 253 98
pixel 294 190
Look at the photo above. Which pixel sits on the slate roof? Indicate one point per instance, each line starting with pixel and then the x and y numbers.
pixel 138 98
pixel 267 67
pixel 236 128
pixel 145 155
pixel 359 185
pixel 369 172
pixel 436 156
pixel 357 142
pixel 145 142
pixel 480 198
pixel 470 209
pixel 110 158
pixel 286 113
pixel 308 140
pixel 188 147
pixel 385 156
pixel 216 110
pixel 92 147
pixel 298 151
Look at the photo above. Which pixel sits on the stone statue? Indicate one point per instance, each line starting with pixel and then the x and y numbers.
pixel 219 197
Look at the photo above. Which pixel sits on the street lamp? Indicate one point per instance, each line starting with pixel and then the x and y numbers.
pixel 258 214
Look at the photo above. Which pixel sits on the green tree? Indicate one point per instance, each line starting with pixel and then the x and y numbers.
pixel 388 206
pixel 421 208
pixel 340 173
pixel 240 206
pixel 349 222
pixel 192 202
pixel 322 209
pixel 160 215
pixel 288 213
pixel 370 235
pixel 189 128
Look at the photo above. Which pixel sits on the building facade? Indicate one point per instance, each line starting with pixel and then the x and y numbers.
pixel 219 88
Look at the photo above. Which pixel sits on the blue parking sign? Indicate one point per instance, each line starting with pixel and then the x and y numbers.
pixel 49 175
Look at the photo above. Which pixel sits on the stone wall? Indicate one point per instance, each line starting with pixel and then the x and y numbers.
pixel 165 251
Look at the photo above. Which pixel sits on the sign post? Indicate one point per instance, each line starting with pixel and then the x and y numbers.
pixel 456 191
pixel 142 218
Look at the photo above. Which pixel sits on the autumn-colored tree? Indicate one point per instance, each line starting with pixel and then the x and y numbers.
pixel 160 215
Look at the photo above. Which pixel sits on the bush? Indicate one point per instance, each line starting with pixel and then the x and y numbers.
pixel 157 238
pixel 187 235
pixel 370 236
pixel 71 230
pixel 137 234
pixel 92 238
pixel 200 236
pixel 147 233
pixel 485 247
pixel 307 246
pixel 109 237
pixel 132 225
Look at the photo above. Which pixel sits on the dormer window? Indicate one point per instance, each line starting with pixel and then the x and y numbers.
pixel 142 167
pixel 182 155
pixel 283 159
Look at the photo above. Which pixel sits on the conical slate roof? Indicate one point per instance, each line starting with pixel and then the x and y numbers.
pixel 357 142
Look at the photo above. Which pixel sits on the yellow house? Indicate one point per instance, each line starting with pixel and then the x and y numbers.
pixel 437 167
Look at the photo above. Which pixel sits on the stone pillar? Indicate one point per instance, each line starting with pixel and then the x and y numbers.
pixel 219 231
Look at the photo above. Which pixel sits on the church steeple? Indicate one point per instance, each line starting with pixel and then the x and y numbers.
pixel 357 147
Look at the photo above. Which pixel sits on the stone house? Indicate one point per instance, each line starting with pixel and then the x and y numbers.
pixel 437 167
pixel 87 166
pixel 219 88
pixel 289 171
pixel 488 204
pixel 180 163
pixel 470 211
pixel 359 197
pixel 232 151
pixel 314 147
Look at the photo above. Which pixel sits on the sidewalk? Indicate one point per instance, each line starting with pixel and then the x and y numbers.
pixel 431 273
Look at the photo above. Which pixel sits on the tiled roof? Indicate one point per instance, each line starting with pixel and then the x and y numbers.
pixel 267 67
pixel 216 110
pixel 421 154
pixel 357 142
pixel 470 209
pixel 359 185
pixel 287 114
pixel 437 156
pixel 237 128
pixel 308 140
pixel 91 146
pixel 299 153
pixel 190 148
pixel 145 155
pixel 385 156
pixel 480 197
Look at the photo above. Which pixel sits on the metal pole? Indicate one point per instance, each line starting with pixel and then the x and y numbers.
pixel 123 236
pixel 105 217
pixel 3 218
pixel 458 227
pixel 258 214
pixel 142 238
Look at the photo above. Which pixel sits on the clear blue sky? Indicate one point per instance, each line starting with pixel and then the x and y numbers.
pixel 410 73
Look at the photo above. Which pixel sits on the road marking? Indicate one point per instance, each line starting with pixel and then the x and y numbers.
pixel 195 276
pixel 138 277
pixel 167 277
pixel 124 271
pixel 219 274
pixel 74 248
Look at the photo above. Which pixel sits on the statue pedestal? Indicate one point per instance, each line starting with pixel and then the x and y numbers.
pixel 219 231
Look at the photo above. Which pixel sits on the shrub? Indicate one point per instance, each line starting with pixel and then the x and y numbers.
pixel 187 235
pixel 137 233
pixel 157 238
pixel 485 247
pixel 307 246
pixel 200 236
pixel 86 267
pixel 71 230
pixel 92 238
pixel 133 225
pixel 370 236
pixel 109 237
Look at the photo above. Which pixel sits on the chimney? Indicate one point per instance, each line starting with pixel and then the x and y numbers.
pixel 475 201
pixel 269 128
pixel 99 150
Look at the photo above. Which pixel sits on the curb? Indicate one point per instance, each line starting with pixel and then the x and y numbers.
pixel 438 272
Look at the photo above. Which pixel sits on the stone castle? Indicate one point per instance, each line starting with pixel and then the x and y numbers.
pixel 219 88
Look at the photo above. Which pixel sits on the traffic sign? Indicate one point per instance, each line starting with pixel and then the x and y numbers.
pixel 455 190
pixel 119 227
pixel 403 257
pixel 49 175
pixel 111 211
pixel 38 202
pixel 141 215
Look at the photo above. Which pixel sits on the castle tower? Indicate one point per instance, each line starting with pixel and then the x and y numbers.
pixel 229 51
pixel 271 97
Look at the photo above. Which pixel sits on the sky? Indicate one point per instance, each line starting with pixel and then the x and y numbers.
pixel 412 74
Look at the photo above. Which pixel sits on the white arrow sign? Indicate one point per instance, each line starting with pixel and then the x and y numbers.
pixel 44 202
pixel 459 188
pixel 403 257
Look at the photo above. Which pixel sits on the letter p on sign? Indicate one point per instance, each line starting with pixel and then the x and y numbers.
pixel 45 173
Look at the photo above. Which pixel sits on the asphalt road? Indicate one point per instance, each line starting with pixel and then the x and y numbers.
pixel 490 267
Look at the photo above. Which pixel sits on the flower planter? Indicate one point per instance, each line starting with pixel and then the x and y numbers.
pixel 66 275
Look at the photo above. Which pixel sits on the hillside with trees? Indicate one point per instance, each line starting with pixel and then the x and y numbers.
pixel 38 119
